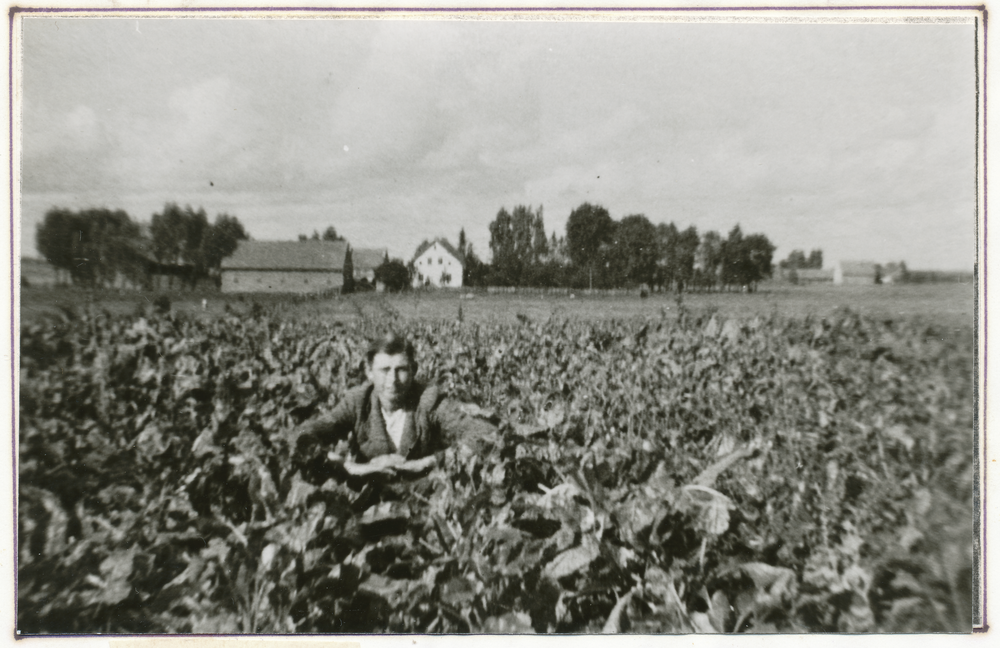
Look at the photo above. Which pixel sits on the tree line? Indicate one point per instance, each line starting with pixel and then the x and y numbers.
pixel 600 252
pixel 104 247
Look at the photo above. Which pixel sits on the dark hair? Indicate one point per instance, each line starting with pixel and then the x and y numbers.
pixel 392 344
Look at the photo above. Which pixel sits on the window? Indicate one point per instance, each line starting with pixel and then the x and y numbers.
pixel 420 276
pixel 439 260
pixel 236 280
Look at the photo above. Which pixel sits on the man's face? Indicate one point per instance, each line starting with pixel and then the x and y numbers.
pixel 391 375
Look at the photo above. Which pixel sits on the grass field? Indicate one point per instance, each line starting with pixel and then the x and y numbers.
pixel 947 305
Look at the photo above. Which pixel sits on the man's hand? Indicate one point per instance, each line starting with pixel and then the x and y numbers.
pixel 385 465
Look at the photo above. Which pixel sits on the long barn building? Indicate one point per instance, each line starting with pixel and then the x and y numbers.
pixel 285 267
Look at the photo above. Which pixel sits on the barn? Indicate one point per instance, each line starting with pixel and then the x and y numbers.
pixel 855 273
pixel 284 267
pixel 437 263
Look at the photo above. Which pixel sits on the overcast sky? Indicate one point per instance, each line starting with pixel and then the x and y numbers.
pixel 857 139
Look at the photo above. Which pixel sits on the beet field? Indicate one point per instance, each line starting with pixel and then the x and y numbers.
pixel 697 472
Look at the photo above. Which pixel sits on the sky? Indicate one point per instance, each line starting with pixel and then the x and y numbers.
pixel 858 139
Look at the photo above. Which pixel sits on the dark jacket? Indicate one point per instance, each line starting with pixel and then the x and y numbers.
pixel 433 422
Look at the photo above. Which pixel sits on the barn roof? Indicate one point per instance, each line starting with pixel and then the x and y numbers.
pixel 287 255
pixel 857 268
pixel 367 259
pixel 444 243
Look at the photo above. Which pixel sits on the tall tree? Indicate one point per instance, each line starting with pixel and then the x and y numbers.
pixel 348 286
pixel 539 242
pixel 815 259
pixel 589 228
pixel 462 242
pixel 330 234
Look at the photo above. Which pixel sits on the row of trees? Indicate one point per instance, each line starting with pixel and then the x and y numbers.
pixel 103 247
pixel 600 252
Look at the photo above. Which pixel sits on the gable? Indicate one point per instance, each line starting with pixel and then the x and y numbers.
pixel 438 247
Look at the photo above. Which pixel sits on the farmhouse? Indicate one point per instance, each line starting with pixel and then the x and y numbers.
pixel 365 263
pixel 437 263
pixel 855 273
pixel 285 267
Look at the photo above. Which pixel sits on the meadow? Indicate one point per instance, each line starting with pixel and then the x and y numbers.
pixel 795 460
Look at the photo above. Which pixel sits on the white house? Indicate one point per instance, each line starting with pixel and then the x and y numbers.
pixel 437 263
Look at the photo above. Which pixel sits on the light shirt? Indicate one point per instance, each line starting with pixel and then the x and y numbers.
pixel 394 424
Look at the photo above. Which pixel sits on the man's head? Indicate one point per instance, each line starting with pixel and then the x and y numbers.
pixel 391 367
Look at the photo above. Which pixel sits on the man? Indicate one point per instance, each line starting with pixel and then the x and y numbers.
pixel 392 423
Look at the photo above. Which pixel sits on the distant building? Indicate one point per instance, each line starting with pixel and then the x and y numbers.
pixel 437 263
pixel 365 262
pixel 811 275
pixel 855 273
pixel 285 267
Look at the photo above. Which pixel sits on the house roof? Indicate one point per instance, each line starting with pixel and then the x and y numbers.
pixel 287 255
pixel 857 268
pixel 367 259
pixel 444 243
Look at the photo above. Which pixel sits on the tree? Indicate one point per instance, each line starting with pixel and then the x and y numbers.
pixel 709 259
pixel 666 246
pixel 588 229
pixel 195 227
pixel 55 237
pixel 221 240
pixel 462 243
pixel 685 250
pixel 635 250
pixel 759 252
pixel 474 271
pixel 393 275
pixel 167 230
pixel 815 259
pixel 796 259
pixel 512 241
pixel 94 246
pixel 330 234
pixel 348 286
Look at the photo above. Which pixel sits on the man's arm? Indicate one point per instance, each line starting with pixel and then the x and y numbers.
pixel 327 429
